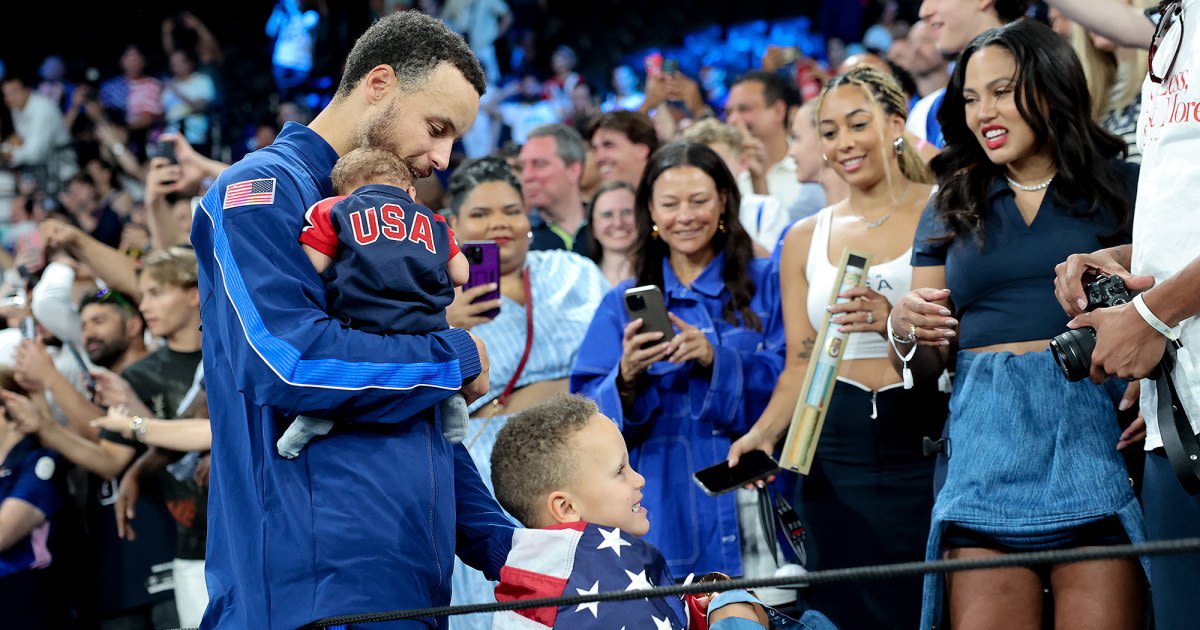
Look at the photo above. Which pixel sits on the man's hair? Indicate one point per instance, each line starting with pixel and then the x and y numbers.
pixel 567 142
pixel 636 126
pixel 1011 10
pixel 108 297
pixel 413 44
pixel 175 266
pixel 775 88
pixel 369 165
pixel 533 457
pixel 711 131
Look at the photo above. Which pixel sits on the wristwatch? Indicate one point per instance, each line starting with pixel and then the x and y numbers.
pixel 137 425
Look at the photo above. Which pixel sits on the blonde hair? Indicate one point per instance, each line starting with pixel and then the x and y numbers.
pixel 884 92
pixel 1104 71
pixel 711 131
pixel 367 165
pixel 175 266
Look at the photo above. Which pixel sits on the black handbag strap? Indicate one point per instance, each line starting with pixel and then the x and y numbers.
pixel 1179 439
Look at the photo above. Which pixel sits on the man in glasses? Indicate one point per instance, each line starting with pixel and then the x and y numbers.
pixel 1164 259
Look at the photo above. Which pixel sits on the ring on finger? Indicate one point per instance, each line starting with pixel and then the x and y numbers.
pixel 870 317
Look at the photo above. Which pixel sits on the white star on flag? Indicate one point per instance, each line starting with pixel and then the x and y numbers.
pixel 591 606
pixel 637 581
pixel 661 624
pixel 612 540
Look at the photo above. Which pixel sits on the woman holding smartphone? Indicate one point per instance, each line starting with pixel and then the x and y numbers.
pixel 866 499
pixel 546 301
pixel 681 402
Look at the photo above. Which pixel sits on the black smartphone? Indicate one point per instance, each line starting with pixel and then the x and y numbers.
pixel 647 303
pixel 670 66
pixel 484 260
pixel 166 149
pixel 720 478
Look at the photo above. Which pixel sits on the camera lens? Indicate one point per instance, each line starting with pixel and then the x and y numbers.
pixel 1073 352
pixel 635 302
pixel 473 254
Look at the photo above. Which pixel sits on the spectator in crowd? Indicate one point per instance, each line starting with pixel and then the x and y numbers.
pixel 547 300
pixel 758 105
pixel 927 64
pixel 54 85
pixel 137 97
pixel 869 473
pixel 295 33
pixel 1033 463
pixel 40 141
pixel 551 165
pixel 30 495
pixel 955 23
pixel 1131 339
pixel 622 142
pixel 804 145
pixel 686 399
pixel 613 230
pixel 522 107
pixel 98 220
pixel 167 381
pixel 481 22
pixel 109 185
pixel 625 95
pixel 562 83
pixel 761 215
pixel 186 97
pixel 199 38
pixel 583 107
pixel 1115 76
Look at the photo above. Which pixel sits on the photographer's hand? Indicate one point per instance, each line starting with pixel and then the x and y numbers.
pixel 1068 279
pixel 1126 346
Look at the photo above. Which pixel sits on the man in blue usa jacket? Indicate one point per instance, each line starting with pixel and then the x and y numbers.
pixel 365 520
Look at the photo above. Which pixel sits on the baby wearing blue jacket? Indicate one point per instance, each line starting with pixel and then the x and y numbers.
pixel 562 469
pixel 389 264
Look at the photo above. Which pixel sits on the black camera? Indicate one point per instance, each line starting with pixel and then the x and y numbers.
pixel 635 302
pixel 1073 349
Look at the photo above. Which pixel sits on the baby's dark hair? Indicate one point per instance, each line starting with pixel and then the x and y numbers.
pixel 533 456
pixel 369 165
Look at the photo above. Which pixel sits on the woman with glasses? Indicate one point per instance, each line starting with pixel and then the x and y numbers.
pixel 1030 463
pixel 613 230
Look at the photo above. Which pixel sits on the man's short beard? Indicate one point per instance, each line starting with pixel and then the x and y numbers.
pixel 109 353
pixel 376 134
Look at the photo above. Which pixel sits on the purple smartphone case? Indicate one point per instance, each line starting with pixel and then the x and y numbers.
pixel 484 258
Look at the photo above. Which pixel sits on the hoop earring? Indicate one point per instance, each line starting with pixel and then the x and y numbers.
pixel 654 231
pixel 529 234
pixel 898 145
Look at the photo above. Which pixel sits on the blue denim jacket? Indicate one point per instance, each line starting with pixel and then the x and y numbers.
pixel 685 419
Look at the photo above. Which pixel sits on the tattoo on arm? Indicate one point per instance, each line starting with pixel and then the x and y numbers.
pixel 806 349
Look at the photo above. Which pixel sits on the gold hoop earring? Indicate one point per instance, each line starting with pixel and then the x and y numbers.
pixel 654 231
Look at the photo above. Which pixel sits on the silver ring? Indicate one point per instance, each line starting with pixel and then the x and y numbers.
pixel 870 317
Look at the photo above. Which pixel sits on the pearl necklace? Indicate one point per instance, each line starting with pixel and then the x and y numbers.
pixel 1034 188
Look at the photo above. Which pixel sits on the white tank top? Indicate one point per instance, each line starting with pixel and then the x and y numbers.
pixel 892 279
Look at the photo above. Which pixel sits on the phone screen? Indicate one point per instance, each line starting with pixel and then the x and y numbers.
pixel 751 467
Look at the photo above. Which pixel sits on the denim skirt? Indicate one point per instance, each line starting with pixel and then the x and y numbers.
pixel 1031 456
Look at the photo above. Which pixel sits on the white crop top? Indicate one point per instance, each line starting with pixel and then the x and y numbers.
pixel 892 279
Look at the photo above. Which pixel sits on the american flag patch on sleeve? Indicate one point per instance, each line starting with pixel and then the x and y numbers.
pixel 251 192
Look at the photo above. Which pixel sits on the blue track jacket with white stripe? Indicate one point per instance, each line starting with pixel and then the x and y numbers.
pixel 367 518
